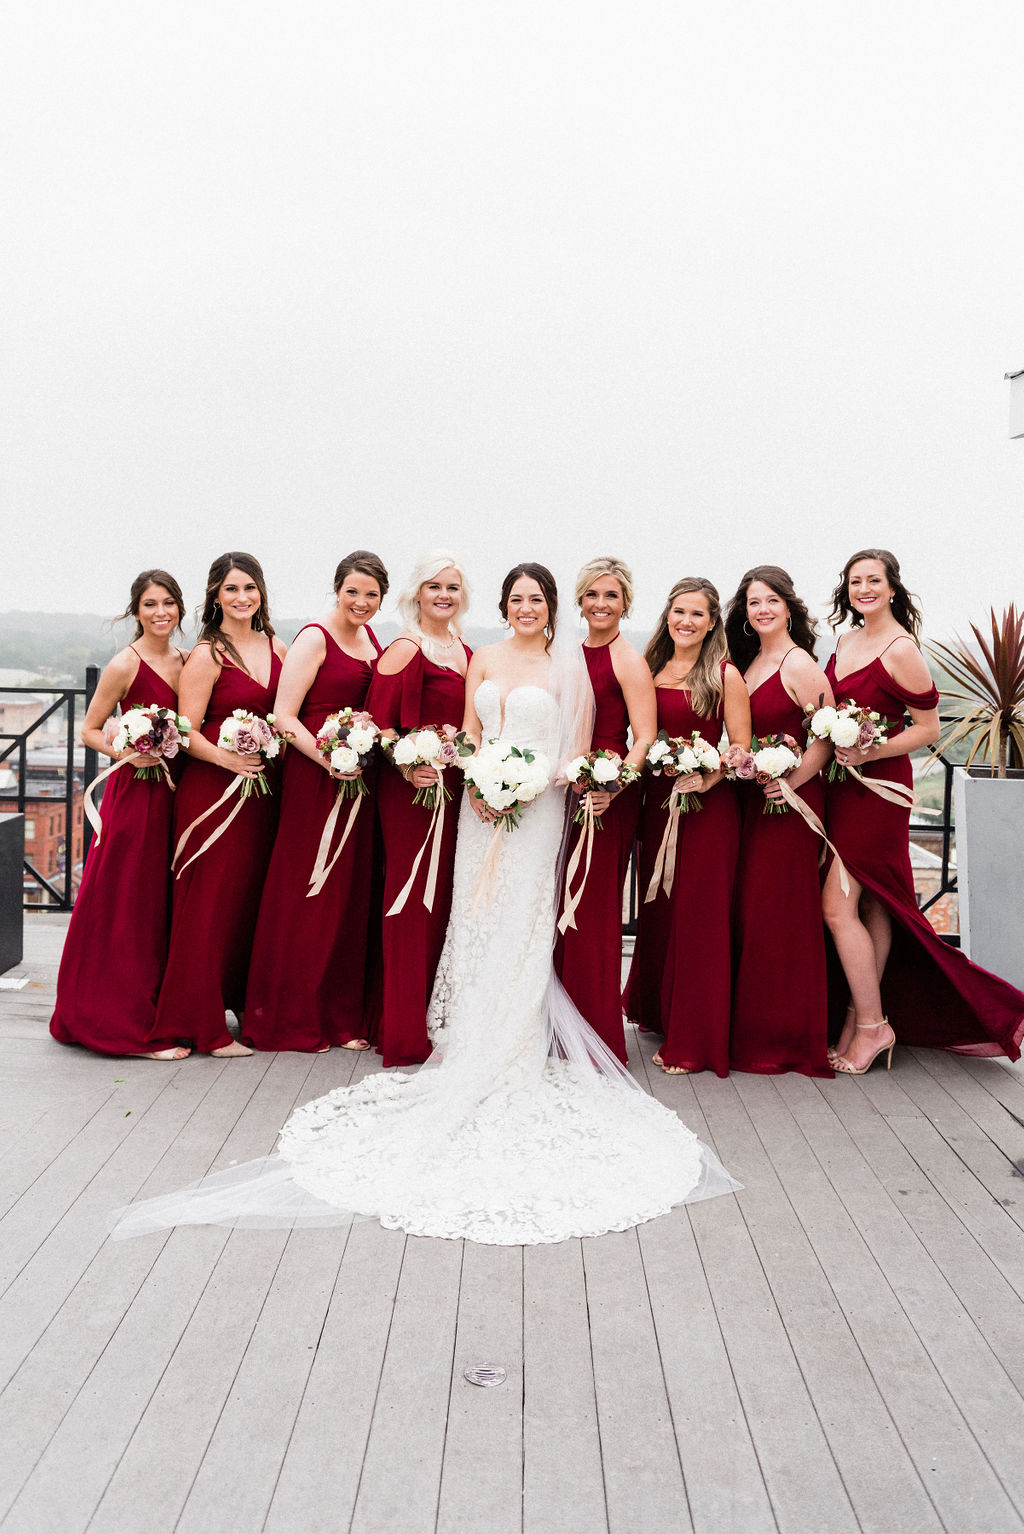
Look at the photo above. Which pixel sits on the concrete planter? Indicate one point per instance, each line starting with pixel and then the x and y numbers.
pixel 12 868
pixel 990 869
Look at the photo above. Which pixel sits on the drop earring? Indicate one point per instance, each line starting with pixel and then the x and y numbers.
pixel 747 629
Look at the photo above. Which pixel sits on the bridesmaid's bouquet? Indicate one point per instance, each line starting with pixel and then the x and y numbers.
pixel 846 725
pixel 346 741
pixel 506 777
pixel 770 758
pixel 598 772
pixel 432 745
pixel 249 734
pixel 677 756
pixel 153 732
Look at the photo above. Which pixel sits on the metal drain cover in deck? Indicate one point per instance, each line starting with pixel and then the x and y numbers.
pixel 486 1374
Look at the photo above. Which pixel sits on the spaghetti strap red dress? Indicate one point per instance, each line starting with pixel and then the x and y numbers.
pixel 411 940
pixel 680 980
pixel 116 944
pixel 216 898
pixel 588 960
pixel 932 993
pixel 780 1006
pixel 309 959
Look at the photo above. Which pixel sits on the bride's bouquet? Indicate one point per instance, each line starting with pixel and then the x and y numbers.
pixel 249 734
pixel 154 733
pixel 769 759
pixel 346 740
pixel 432 745
pixel 679 755
pixel 845 725
pixel 598 772
pixel 504 776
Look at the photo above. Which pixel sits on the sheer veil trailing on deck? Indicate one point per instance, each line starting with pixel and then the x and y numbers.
pixel 522 1127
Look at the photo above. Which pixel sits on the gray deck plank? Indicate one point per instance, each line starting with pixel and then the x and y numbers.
pixel 485 1423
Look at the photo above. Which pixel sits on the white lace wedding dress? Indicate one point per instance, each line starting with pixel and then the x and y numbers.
pixel 528 1130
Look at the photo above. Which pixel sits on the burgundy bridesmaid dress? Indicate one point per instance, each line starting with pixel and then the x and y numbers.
pixel 216 898
pixel 411 940
pixel 932 993
pixel 116 945
pixel 680 980
pixel 588 961
pixel 309 963
pixel 780 1006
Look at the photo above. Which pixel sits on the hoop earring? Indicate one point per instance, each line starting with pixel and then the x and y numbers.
pixel 789 625
pixel 747 629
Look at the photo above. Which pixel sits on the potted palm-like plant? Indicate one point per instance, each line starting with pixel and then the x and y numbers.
pixel 988 788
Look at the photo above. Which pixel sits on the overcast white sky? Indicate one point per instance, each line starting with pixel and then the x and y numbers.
pixel 703 285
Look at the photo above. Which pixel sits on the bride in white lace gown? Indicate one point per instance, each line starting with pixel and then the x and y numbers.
pixel 528 1130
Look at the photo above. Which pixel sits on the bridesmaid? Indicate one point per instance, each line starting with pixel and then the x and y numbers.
pixel 779 1016
pixel 306 984
pixel 588 960
pixel 235 664
pixel 420 680
pixel 680 980
pixel 886 945
pixel 116 944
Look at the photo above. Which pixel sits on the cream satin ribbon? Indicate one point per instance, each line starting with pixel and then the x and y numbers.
pixel 665 863
pixel 92 814
pixel 804 809
pixel 584 844
pixel 894 793
pixel 322 869
pixel 232 788
pixel 435 833
pixel 489 867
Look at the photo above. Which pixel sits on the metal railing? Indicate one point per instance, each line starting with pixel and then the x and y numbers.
pixel 62 893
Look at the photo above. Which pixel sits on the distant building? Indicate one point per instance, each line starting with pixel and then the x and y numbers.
pixel 46 841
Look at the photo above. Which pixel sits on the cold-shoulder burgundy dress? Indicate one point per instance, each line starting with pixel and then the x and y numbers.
pixel 216 898
pixel 932 993
pixel 780 1004
pixel 421 694
pixel 116 944
pixel 680 980
pixel 588 960
pixel 309 964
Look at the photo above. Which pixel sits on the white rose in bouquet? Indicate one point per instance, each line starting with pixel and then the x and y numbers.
pixel 405 752
pixel 428 744
pixel 361 739
pixel 822 722
pixel 606 769
pixel 776 761
pixel 708 757
pixel 574 768
pixel 687 760
pixel 344 759
pixel 272 748
pixel 658 752
pixel 845 731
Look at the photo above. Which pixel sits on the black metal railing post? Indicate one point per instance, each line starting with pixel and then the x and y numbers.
pixel 92 676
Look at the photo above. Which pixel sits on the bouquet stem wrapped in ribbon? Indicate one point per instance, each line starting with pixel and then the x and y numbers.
pixel 246 734
pixel 429 746
pixel 155 735
pixel 677 756
pixel 596 772
pixel 346 740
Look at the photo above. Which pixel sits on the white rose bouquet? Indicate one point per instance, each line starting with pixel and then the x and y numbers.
pixel 250 734
pixel 676 756
pixel 774 756
pixel 598 772
pixel 432 745
pixel 346 740
pixel 155 733
pixel 504 776
pixel 848 724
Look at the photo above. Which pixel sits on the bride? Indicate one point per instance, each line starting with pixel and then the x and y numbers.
pixel 523 1127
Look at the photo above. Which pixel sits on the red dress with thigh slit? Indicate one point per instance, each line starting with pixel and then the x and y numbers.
pixel 309 963
pixel 116 944
pixel 680 980
pixel 216 898
pixel 932 993
pixel 588 959
pixel 411 940
pixel 779 1010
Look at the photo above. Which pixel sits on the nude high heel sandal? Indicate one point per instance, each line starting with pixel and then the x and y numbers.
pixel 840 1062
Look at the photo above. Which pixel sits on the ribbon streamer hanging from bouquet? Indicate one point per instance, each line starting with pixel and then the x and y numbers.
pixel 232 788
pixel 665 863
pixel 322 869
pixel 489 867
pixel 435 833
pixel 584 849
pixel 893 793
pixel 89 806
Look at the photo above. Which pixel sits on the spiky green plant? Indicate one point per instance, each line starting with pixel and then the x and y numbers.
pixel 992 723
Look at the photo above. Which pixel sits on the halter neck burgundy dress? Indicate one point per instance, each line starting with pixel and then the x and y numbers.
pixel 932 993
pixel 419 695
pixel 780 1006
pixel 588 960
pixel 680 980
pixel 116 944
pixel 309 964
pixel 215 899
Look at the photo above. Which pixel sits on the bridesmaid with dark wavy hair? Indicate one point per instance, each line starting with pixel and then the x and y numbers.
pixel 308 972
pixel 896 965
pixel 780 1007
pixel 116 945
pixel 235 664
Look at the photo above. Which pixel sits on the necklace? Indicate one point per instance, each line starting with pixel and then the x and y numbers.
pixel 447 646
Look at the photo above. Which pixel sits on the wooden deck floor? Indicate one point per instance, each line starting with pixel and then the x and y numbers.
pixel 839 1348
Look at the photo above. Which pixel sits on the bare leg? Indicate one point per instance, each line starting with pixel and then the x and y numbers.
pixel 857 953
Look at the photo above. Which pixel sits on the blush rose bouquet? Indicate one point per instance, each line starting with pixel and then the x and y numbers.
pixel 346 741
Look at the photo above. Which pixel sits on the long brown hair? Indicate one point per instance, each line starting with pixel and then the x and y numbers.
pixel 546 581
pixel 903 607
pixel 704 682
pixel 139 586
pixel 802 627
pixel 210 617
